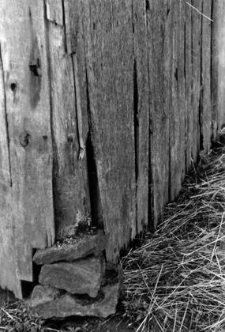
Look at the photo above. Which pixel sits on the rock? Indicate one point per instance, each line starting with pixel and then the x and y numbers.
pixel 80 247
pixel 68 305
pixel 79 277
pixel 43 294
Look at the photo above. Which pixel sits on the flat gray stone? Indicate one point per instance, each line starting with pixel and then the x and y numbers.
pixel 68 305
pixel 42 294
pixel 79 248
pixel 79 277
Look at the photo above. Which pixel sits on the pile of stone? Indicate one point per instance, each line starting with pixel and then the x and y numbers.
pixel 75 279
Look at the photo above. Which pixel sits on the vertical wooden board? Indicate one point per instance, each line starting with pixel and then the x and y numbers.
pixel 215 66
pixel 109 45
pixel 159 36
pixel 71 194
pixel 8 277
pixel 164 129
pixel 196 75
pixel 188 84
pixel 206 122
pixel 28 112
pixel 79 45
pixel 175 116
pixel 221 62
pixel 181 93
pixel 141 111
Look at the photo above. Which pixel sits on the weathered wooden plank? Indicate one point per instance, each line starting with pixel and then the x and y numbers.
pixel 188 84
pixel 71 194
pixel 54 11
pixel 141 112
pixel 159 35
pixel 109 49
pixel 196 75
pixel 206 118
pixel 181 92
pixel 220 36
pixel 79 45
pixel 215 67
pixel 164 130
pixel 8 277
pixel 175 116
pixel 28 113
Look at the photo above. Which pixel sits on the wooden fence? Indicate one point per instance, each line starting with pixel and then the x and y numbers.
pixel 138 84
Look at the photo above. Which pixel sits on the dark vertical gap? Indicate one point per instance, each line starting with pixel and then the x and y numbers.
pixel 6 117
pixel 64 24
pixel 55 166
pixel 200 110
pixel 95 202
pixel 170 108
pixel 136 121
pixel 192 85
pixel 211 69
pixel 28 286
pixel 136 134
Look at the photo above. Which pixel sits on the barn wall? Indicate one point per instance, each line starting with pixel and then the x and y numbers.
pixel 104 106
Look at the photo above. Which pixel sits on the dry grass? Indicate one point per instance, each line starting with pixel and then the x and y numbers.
pixel 176 280
pixel 16 317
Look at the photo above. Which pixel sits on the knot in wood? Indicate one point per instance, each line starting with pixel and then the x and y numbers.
pixel 24 139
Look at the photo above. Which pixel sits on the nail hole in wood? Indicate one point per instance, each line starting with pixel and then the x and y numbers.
pixel 13 87
pixel 45 137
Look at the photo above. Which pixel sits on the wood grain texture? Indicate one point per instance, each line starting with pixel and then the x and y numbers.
pixel 159 36
pixel 28 118
pixel 188 84
pixel 196 75
pixel 141 112
pixel 220 17
pixel 181 93
pixel 109 61
pixel 8 277
pixel 206 116
pixel 176 120
pixel 215 67
pixel 71 193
